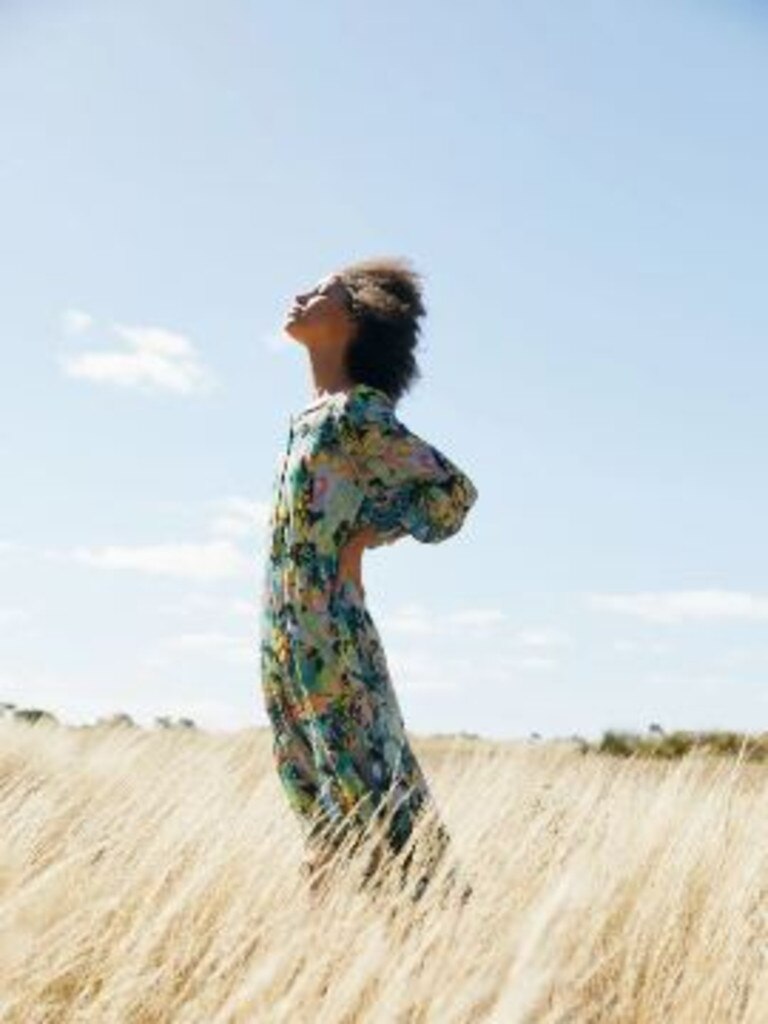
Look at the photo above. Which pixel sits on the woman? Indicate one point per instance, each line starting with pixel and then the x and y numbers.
pixel 352 477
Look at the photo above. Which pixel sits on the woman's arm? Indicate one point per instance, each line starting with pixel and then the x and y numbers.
pixel 409 487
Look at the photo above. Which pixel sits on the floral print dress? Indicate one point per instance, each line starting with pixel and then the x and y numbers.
pixel 339 740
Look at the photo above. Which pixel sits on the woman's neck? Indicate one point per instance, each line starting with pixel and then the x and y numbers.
pixel 328 373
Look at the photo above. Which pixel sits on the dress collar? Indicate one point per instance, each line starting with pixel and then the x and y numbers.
pixel 362 387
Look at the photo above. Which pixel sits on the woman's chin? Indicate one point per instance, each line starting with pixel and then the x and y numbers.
pixel 289 328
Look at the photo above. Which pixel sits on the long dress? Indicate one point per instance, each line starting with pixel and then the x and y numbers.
pixel 339 740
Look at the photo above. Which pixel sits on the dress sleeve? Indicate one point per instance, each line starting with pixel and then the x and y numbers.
pixel 409 487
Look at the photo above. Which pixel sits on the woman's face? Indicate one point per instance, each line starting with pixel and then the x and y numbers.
pixel 321 315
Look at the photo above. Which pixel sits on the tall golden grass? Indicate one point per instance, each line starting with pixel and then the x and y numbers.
pixel 155 876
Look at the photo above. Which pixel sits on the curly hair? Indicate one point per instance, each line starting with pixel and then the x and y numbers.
pixel 385 299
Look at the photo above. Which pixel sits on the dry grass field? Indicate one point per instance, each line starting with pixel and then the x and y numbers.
pixel 154 876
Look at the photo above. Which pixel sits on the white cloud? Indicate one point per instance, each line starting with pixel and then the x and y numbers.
pixel 411 618
pixel 230 647
pixel 480 677
pixel 215 559
pixel 503 668
pixel 417 619
pixel 544 636
pixel 192 603
pixel 482 617
pixel 669 679
pixel 233 518
pixel 75 321
pixel 640 647
pixel 537 662
pixel 12 614
pixel 236 516
pixel 155 359
pixel 756 657
pixel 674 606
pixel 425 671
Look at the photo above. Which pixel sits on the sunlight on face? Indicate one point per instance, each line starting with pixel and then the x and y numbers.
pixel 322 313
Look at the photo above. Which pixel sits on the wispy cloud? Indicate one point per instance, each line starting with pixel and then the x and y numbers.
pixel 193 603
pixel 476 617
pixel 231 519
pixel 75 321
pixel 677 605
pixel 419 671
pixel 537 661
pixel 227 646
pixel 543 636
pixel 216 559
pixel 411 618
pixel 236 516
pixel 749 657
pixel 417 619
pixel 641 647
pixel 151 359
pixel 504 666
pixel 701 682
pixel 11 615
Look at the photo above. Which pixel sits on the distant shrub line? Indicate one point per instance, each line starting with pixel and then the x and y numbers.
pixel 682 742
pixel 615 742
pixel 32 716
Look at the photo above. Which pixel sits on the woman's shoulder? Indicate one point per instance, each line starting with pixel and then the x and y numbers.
pixel 364 403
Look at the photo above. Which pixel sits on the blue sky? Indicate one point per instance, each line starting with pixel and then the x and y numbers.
pixel 583 188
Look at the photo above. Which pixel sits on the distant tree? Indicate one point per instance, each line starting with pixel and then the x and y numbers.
pixel 119 719
pixel 580 741
pixel 34 715
pixel 535 736
pixel 166 722
pixel 655 727
pixel 615 742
